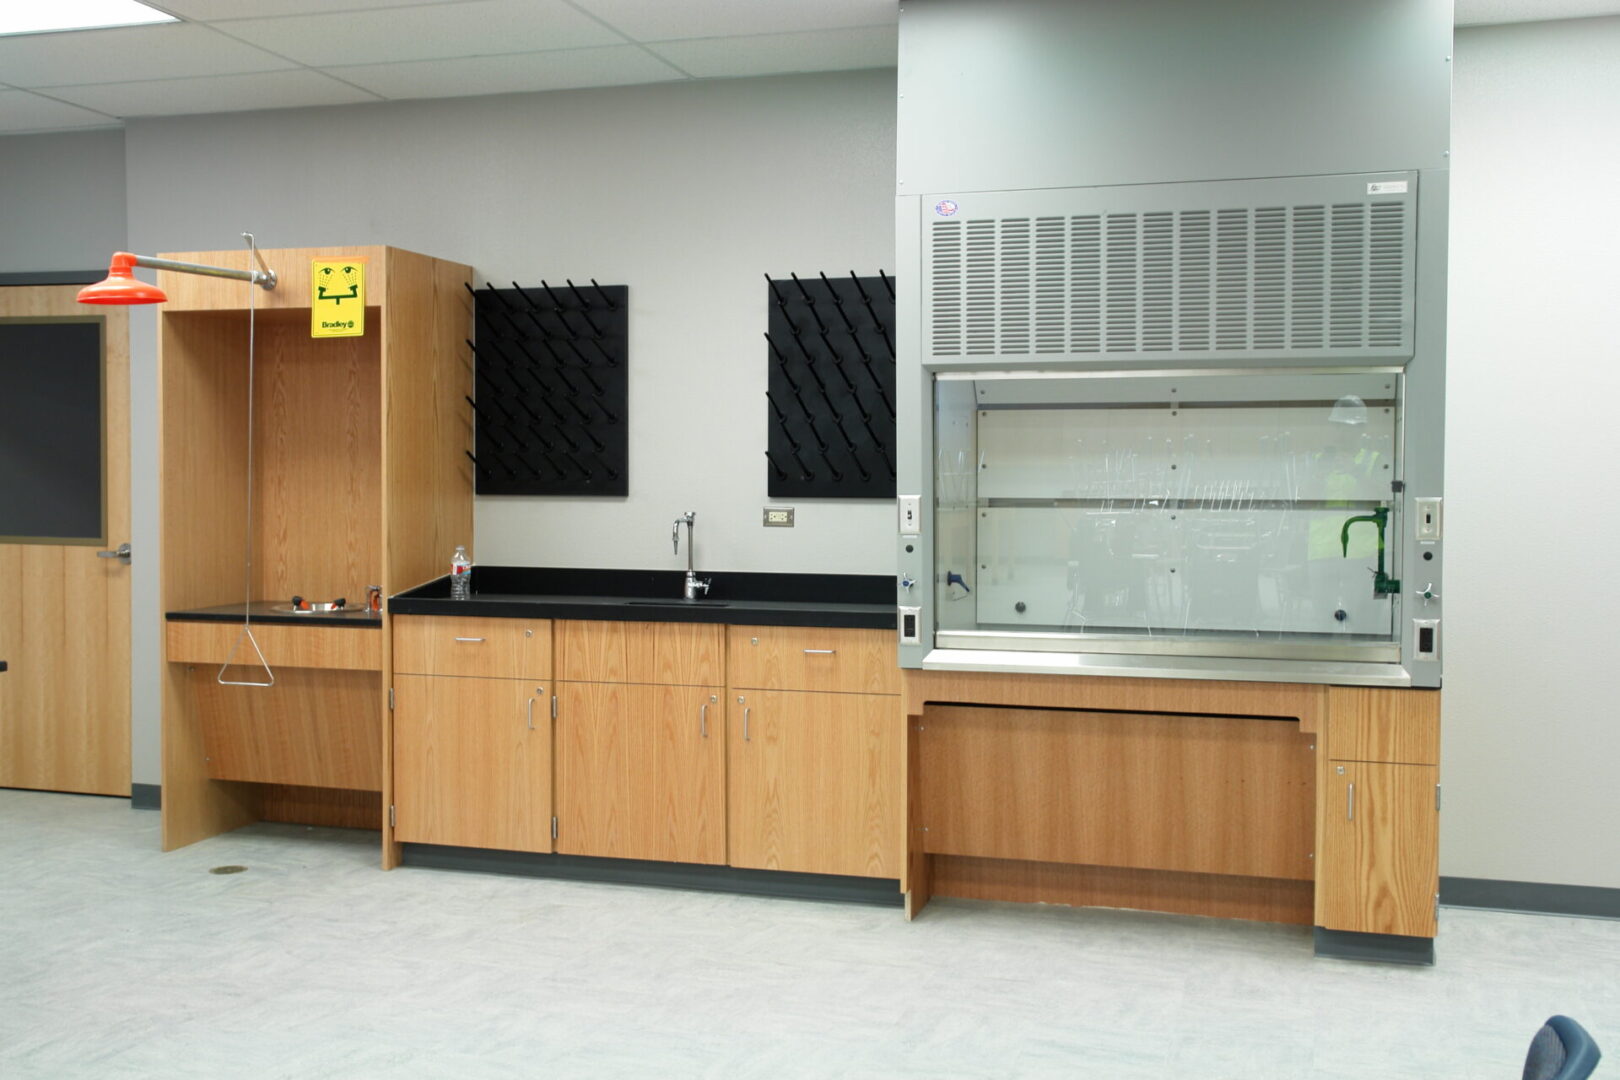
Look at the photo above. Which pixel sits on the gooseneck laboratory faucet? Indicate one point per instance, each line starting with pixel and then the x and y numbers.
pixel 694 584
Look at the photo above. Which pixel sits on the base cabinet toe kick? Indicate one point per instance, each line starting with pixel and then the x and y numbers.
pixel 1314 805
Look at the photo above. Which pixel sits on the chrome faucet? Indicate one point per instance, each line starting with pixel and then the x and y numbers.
pixel 693 583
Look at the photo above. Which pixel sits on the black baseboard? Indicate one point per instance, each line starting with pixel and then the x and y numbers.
pixel 1531 896
pixel 882 892
pixel 1383 948
pixel 146 796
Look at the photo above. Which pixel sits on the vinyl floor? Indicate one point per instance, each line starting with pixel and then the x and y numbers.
pixel 119 961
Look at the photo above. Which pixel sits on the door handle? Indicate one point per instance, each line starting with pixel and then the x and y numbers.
pixel 746 711
pixel 820 652
pixel 119 552
pixel 1350 802
pixel 703 720
pixel 471 640
pixel 531 714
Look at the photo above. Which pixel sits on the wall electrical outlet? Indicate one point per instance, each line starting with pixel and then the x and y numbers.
pixel 779 517
pixel 910 515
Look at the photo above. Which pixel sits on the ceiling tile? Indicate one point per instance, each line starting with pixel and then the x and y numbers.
pixel 427 32
pixel 568 69
pixel 216 93
pixel 22 111
pixel 771 54
pixel 1480 12
pixel 661 20
pixel 174 50
pixel 211 10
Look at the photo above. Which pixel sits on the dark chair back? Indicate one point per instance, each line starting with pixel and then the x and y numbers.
pixel 1561 1050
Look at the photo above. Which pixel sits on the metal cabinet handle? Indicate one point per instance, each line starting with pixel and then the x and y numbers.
pixel 703 720
pixel 531 714
pixel 820 652
pixel 471 640
pixel 745 722
pixel 1350 802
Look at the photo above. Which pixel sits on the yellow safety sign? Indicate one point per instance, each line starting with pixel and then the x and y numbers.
pixel 337 301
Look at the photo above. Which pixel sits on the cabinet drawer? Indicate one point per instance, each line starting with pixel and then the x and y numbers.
pixel 669 654
pixel 1397 726
pixel 342 647
pixel 481 647
pixel 813 658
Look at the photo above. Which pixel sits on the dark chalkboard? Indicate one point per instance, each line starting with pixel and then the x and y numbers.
pixel 51 428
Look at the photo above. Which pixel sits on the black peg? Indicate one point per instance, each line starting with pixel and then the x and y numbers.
pixel 859 465
pixel 836 475
pixel 777 409
pixel 888 282
pixel 471 458
pixel 562 473
pixel 821 444
pixel 496 293
pixel 562 433
pixel 527 299
pixel 804 470
pixel 781 301
pixel 809 301
pixel 865 299
pixel 774 350
pixel 838 301
pixel 556 301
pixel 584 307
pixel 606 356
pixel 787 433
pixel 866 421
pixel 536 473
pixel 613 474
pixel 887 342
pixel 576 463
pixel 540 433
pixel 781 474
pixel 482 419
pixel 572 404
pixel 607 413
pixel 611 306
pixel 849 443
pixel 601 447
pixel 524 405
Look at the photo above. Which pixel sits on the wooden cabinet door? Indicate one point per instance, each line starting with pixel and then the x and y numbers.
pixel 472 762
pixel 641 772
pixel 1379 864
pixel 814 782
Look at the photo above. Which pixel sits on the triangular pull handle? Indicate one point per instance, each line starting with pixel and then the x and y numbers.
pixel 247 632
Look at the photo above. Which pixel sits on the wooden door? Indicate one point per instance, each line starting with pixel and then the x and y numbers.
pixel 1379 869
pixel 813 782
pixel 64 612
pixel 641 772
pixel 472 762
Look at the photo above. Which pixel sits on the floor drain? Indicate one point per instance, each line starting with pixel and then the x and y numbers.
pixel 227 870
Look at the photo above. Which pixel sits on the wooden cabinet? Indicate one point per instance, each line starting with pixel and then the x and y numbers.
pixel 641 771
pixel 1378 816
pixel 472 762
pixel 814 782
pixel 668 654
pixel 1379 870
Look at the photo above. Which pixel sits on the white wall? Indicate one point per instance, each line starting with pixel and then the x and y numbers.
pixel 1532 731
pixel 61 201
pixel 688 193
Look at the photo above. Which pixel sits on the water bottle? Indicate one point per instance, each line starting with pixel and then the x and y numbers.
pixel 461 575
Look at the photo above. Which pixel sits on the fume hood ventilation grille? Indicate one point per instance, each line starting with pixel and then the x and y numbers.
pixel 1326 278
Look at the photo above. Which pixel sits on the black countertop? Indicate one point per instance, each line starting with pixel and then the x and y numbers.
pixel 264 611
pixel 840 600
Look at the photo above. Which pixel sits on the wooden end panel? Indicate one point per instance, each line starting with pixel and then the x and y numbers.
pixel 667 654
pixel 813 658
pixel 1219 895
pixel 487 648
pixel 1396 726
pixel 313 728
pixel 1198 794
pixel 342 647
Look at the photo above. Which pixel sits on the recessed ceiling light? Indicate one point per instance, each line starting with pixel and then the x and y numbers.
pixel 46 16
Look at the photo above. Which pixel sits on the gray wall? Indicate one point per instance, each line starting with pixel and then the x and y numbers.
pixel 687 193
pixel 1532 731
pixel 61 201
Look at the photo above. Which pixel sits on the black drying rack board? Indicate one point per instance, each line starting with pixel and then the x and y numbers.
pixel 552 369
pixel 831 387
